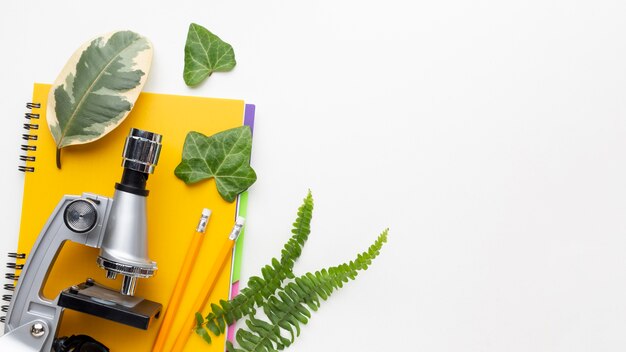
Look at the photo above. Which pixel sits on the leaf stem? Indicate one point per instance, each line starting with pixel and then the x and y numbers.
pixel 59 158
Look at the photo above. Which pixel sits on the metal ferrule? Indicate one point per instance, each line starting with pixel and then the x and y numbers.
pixel 234 233
pixel 204 220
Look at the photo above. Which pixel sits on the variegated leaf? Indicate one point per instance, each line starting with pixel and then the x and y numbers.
pixel 97 88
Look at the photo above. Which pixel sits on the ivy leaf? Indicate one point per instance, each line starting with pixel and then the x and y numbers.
pixel 224 156
pixel 97 88
pixel 205 53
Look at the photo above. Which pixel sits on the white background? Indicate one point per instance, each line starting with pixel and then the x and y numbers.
pixel 488 135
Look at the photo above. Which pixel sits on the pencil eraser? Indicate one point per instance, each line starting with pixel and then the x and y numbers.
pixel 240 220
pixel 206 212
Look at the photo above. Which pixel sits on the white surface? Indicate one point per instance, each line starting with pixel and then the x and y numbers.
pixel 488 135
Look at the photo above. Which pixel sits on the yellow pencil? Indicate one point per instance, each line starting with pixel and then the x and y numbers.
pixel 181 282
pixel 209 283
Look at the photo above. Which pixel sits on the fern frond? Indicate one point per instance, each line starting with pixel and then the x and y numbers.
pixel 290 307
pixel 271 278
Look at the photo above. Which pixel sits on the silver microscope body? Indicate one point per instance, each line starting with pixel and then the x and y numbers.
pixel 118 227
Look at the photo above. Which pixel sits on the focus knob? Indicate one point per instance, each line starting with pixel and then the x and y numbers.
pixel 80 215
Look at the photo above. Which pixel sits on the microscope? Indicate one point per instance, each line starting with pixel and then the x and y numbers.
pixel 118 227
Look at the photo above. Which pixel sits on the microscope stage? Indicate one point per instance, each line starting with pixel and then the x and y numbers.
pixel 94 299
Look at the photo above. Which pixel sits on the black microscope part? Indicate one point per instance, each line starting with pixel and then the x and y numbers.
pixel 133 182
pixel 139 316
pixel 78 343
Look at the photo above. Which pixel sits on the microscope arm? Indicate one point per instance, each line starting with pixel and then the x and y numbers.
pixel 32 320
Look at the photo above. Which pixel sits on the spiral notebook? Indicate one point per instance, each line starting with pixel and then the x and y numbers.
pixel 173 207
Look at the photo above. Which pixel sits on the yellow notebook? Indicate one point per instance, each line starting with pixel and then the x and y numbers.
pixel 173 210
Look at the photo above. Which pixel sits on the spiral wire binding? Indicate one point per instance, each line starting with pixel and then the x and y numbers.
pixel 15 266
pixel 26 168
pixel 30 126
pixel 27 158
pixel 29 137
pixel 13 277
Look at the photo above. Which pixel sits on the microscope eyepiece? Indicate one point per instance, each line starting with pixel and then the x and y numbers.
pixel 141 151
pixel 140 157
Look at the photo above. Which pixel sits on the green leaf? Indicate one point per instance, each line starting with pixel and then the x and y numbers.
pixel 205 53
pixel 285 309
pixel 286 304
pixel 224 156
pixel 259 289
pixel 97 88
pixel 204 334
pixel 199 320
